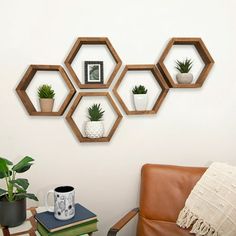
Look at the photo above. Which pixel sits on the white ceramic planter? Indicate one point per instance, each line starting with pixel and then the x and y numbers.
pixel 94 129
pixel 184 78
pixel 140 102
pixel 46 104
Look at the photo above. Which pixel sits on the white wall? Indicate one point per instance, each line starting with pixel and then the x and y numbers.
pixel 193 126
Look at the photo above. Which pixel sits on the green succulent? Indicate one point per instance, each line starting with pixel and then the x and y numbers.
pixel 184 66
pixel 95 112
pixel 16 188
pixel 139 90
pixel 46 91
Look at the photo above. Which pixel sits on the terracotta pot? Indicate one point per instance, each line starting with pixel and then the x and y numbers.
pixel 46 104
pixel 184 78
pixel 12 213
pixel 94 129
pixel 140 102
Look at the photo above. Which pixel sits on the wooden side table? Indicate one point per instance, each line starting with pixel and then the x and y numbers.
pixel 28 228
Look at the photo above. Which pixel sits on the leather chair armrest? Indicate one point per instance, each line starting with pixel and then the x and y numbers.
pixel 122 222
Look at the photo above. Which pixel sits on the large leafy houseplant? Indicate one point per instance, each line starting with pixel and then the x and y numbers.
pixel 16 188
pixel 13 197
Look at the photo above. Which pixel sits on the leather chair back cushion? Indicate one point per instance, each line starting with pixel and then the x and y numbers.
pixel 164 190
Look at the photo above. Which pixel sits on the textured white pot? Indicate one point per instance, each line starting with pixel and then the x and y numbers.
pixel 46 104
pixel 184 78
pixel 140 102
pixel 94 129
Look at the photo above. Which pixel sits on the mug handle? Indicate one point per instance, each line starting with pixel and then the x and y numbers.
pixel 48 208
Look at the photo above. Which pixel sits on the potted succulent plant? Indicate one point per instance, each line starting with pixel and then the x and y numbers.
pixel 140 98
pixel 94 128
pixel 46 97
pixel 13 198
pixel 184 76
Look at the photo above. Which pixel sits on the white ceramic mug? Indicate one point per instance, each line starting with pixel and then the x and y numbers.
pixel 64 202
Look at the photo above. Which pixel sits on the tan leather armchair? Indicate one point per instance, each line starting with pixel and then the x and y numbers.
pixel 164 189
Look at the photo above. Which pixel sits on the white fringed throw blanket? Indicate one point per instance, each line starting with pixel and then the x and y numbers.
pixel 211 206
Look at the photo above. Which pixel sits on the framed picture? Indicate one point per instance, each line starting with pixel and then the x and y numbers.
pixel 93 72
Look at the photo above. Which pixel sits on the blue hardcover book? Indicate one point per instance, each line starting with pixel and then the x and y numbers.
pixel 82 215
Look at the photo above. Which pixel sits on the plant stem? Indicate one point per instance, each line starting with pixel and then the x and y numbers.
pixel 13 175
pixel 7 195
pixel 10 187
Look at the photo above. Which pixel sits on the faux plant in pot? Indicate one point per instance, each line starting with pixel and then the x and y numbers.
pixel 94 128
pixel 46 97
pixel 140 98
pixel 13 198
pixel 184 76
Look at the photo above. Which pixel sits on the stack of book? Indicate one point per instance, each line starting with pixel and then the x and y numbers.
pixel 84 222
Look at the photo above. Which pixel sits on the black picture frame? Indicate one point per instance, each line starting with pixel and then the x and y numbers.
pixel 91 78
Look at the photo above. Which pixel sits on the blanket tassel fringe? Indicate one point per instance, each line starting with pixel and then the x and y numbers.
pixel 199 227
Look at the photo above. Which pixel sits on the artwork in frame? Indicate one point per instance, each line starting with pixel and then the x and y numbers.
pixel 93 72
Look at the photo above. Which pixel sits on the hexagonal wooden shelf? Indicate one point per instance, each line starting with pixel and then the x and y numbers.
pixel 203 52
pixel 156 74
pixel 92 41
pixel 74 126
pixel 27 78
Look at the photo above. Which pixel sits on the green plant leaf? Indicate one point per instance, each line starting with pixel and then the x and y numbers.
pixel 19 196
pixel 24 168
pixel 8 173
pixel 20 190
pixel 2 191
pixel 184 66
pixel 3 168
pixel 95 112
pixel 46 91
pixel 139 90
pixel 7 161
pixel 22 183
pixel 2 175
pixel 23 165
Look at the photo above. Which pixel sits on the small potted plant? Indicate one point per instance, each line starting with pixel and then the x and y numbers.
pixel 13 198
pixel 46 97
pixel 184 76
pixel 94 128
pixel 140 98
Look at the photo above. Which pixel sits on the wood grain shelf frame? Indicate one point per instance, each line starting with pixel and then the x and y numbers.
pixel 156 75
pixel 74 126
pixel 27 78
pixel 204 54
pixel 92 41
